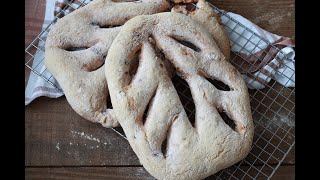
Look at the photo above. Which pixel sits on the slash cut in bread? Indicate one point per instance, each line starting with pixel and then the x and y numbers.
pixel 205 15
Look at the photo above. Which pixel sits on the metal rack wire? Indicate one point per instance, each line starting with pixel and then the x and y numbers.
pixel 273 107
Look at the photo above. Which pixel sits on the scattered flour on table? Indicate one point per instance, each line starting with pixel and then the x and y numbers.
pixel 57 146
pixel 88 137
pixel 139 171
pixel 83 135
pixel 285 120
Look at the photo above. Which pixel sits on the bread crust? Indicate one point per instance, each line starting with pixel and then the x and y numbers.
pixel 192 152
pixel 80 73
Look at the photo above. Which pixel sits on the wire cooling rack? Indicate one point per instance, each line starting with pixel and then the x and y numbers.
pixel 273 107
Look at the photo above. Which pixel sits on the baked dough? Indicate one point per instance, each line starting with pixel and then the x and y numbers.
pixel 76 48
pixel 166 143
pixel 205 15
pixel 85 89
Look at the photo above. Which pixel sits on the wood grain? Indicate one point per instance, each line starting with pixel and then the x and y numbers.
pixel 87 173
pixel 97 173
pixel 275 16
pixel 34 11
pixel 56 136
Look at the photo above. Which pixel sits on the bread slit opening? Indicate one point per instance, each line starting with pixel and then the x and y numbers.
pixel 105 26
pixel 187 44
pixel 185 96
pixel 164 147
pixel 72 49
pixel 108 26
pixel 148 107
pixel 160 54
pixel 134 65
pixel 145 114
pixel 227 119
pixel 219 84
pixel 109 103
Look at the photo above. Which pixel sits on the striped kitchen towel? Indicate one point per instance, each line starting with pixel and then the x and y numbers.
pixel 36 84
pixel 256 53
pixel 259 60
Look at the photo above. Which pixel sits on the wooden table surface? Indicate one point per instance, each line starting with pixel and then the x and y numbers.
pixel 59 144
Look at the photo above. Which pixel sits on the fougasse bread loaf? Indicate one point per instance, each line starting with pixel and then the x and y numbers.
pixel 76 49
pixel 166 143
pixel 78 44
